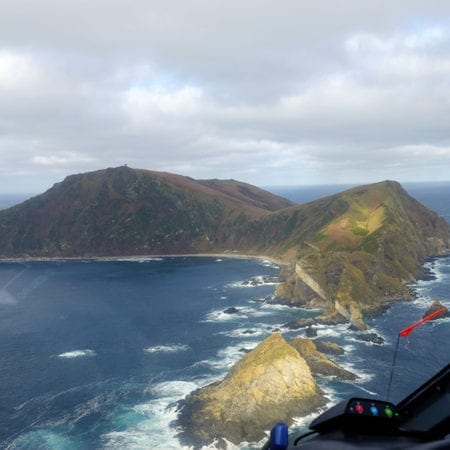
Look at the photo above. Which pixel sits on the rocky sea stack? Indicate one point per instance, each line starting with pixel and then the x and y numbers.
pixel 437 306
pixel 271 383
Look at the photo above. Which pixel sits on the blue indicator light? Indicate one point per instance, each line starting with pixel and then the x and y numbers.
pixel 374 410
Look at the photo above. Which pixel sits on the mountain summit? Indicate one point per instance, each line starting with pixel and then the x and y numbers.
pixel 346 253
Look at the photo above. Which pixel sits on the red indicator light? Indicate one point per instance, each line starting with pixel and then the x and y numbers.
pixel 359 408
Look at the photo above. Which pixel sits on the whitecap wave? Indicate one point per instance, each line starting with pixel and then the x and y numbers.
pixel 301 424
pixel 150 424
pixel 225 359
pixel 331 330
pixel 422 301
pixel 348 348
pixel 148 427
pixel 231 354
pixel 439 271
pixel 173 389
pixel 278 307
pixel 254 282
pixel 77 354
pixel 267 263
pixel 367 343
pixel 246 332
pixel 167 348
pixel 440 322
pixel 140 259
pixel 221 315
pixel 354 367
pixel 44 438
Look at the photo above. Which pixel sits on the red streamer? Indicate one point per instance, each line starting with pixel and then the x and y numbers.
pixel 412 327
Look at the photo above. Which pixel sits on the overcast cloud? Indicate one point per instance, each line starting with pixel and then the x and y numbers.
pixel 268 92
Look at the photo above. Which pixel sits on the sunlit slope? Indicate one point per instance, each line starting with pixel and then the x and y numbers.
pixel 369 219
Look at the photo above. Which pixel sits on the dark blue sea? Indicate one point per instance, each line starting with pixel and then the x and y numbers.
pixel 95 354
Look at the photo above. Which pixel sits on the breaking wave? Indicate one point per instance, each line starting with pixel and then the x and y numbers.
pixel 77 354
pixel 167 348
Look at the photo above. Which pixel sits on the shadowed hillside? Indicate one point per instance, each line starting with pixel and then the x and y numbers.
pixel 123 211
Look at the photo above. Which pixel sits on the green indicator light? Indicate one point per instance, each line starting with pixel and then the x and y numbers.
pixel 388 411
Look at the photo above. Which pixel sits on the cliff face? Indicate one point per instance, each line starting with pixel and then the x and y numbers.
pixel 271 383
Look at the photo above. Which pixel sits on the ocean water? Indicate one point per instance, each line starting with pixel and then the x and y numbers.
pixel 95 354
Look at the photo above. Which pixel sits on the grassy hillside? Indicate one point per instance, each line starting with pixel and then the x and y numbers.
pixel 124 211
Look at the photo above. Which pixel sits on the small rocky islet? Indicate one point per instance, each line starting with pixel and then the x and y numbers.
pixel 270 383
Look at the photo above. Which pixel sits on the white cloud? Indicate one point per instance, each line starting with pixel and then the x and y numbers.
pixel 263 92
pixel 143 105
pixel 62 159
pixel 17 70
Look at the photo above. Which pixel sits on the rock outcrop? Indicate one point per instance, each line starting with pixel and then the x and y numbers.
pixel 301 323
pixel 330 348
pixel 318 362
pixel 435 306
pixel 271 383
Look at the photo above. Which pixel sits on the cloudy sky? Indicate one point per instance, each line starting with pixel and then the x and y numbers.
pixel 282 92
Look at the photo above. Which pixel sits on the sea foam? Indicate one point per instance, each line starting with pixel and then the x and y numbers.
pixel 253 282
pixel 139 259
pixel 220 315
pixel 149 424
pixel 246 332
pixel 77 354
pixel 43 438
pixel 173 348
